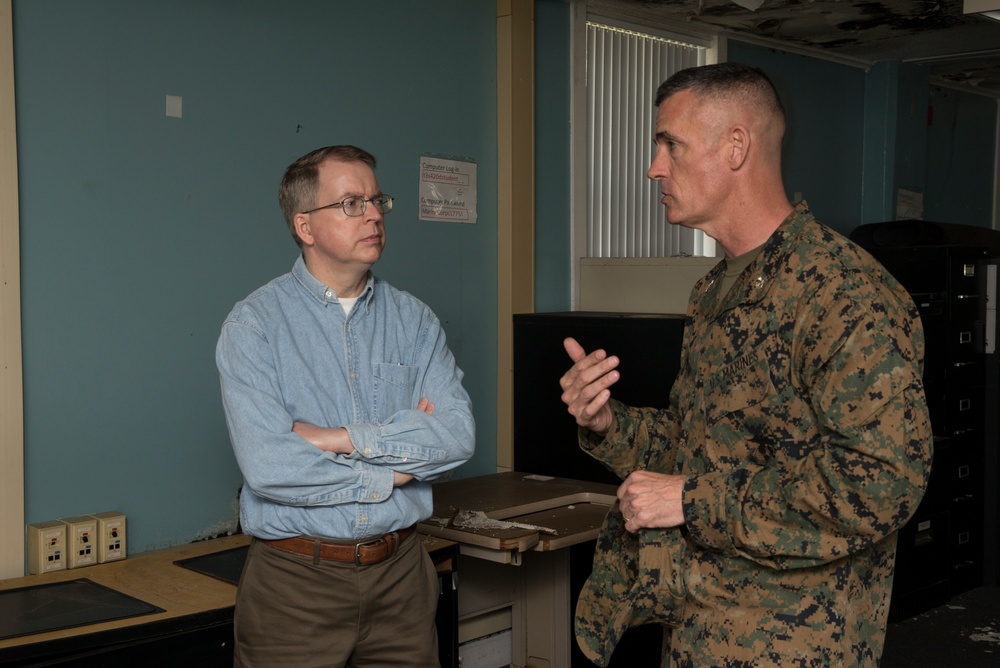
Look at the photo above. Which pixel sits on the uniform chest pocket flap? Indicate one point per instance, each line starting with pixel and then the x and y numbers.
pixel 738 390
pixel 394 384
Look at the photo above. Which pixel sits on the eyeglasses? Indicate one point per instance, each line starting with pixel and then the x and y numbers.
pixel 355 206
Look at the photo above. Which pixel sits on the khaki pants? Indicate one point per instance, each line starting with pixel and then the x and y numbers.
pixel 293 612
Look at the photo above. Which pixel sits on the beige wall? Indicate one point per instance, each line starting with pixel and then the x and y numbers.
pixel 515 199
pixel 640 285
pixel 11 402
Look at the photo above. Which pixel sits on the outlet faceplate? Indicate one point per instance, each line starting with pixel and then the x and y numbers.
pixel 110 536
pixel 81 540
pixel 46 547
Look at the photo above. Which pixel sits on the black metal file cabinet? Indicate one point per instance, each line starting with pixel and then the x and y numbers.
pixel 941 551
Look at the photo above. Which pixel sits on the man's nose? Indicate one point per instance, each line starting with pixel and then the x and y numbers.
pixel 656 170
pixel 372 214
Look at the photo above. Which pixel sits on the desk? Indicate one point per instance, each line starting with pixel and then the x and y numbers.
pixel 195 627
pixel 563 512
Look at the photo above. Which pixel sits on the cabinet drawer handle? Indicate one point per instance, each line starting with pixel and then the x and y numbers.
pixel 965 337
pixel 968 270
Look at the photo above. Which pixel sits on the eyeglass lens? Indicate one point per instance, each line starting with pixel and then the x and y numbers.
pixel 355 206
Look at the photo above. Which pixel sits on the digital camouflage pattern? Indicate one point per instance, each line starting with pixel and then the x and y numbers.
pixel 800 418
pixel 638 582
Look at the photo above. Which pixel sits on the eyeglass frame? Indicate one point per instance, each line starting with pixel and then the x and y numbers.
pixel 364 205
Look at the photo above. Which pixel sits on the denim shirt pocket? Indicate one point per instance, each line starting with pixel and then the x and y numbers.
pixel 393 389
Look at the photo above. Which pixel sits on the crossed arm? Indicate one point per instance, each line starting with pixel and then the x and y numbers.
pixel 337 439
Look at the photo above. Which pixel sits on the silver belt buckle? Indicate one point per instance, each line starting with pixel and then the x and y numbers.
pixel 357 550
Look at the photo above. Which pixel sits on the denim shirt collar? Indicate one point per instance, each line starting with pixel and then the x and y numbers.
pixel 323 293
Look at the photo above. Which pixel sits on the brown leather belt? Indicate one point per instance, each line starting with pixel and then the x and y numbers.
pixel 361 554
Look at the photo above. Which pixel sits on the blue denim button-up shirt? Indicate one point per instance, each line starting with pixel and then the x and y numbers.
pixel 288 353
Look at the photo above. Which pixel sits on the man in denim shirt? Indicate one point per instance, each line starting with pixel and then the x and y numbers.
pixel 343 403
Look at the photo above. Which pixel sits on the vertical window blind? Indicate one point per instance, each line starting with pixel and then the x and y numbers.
pixel 624 215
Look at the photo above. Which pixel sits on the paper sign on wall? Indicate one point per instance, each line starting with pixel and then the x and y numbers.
pixel 909 204
pixel 447 189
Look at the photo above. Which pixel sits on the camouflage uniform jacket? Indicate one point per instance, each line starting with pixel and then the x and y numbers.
pixel 799 417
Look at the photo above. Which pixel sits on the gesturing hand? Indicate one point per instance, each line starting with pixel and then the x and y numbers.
pixel 585 386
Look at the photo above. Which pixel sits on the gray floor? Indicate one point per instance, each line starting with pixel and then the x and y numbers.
pixel 963 633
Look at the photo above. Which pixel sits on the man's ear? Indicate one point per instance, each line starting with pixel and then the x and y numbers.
pixel 739 146
pixel 301 222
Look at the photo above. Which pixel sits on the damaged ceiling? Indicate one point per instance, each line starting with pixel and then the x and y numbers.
pixel 955 47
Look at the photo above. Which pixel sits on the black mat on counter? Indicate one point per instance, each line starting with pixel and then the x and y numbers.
pixel 63 605
pixel 226 565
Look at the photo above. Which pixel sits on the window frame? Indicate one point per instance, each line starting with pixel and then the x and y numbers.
pixel 580 205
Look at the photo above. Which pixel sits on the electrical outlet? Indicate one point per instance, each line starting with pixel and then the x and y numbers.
pixel 110 536
pixel 81 540
pixel 46 547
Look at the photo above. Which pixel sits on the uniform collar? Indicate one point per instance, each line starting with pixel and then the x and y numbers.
pixel 756 279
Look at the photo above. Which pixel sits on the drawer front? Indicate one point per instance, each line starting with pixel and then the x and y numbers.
pixel 967 482
pixel 967 559
pixel 922 552
pixel 966 307
pixel 937 496
pixel 952 344
pixel 966 375
pixel 965 341
pixel 966 274
pixel 957 413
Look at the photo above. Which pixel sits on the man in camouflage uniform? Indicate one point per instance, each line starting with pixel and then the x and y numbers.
pixel 759 511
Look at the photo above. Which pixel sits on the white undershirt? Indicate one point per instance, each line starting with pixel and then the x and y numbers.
pixel 347 303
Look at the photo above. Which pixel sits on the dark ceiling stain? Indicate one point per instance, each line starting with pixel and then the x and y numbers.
pixel 954 47
pixel 878 15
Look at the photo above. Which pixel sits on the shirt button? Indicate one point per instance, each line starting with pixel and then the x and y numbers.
pixel 374 495
pixel 368 451
pixel 329 294
pixel 364 518
pixel 352 375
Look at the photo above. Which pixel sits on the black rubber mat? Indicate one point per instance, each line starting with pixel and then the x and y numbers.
pixel 63 605
pixel 226 565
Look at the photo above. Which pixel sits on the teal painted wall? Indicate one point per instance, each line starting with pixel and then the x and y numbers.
pixel 910 171
pixel 961 155
pixel 823 148
pixel 553 244
pixel 139 232
pixel 881 117
pixel 896 137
